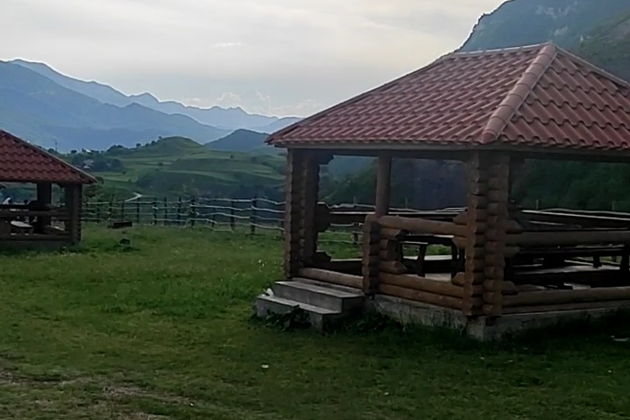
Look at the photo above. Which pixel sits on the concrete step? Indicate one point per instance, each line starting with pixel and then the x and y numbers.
pixel 341 299
pixel 319 318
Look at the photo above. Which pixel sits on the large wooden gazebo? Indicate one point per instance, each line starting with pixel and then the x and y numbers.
pixel 41 220
pixel 510 268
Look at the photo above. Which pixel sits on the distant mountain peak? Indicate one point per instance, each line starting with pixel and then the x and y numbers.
pixel 230 118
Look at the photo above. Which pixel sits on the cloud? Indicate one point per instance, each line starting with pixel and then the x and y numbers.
pixel 301 53
pixel 228 99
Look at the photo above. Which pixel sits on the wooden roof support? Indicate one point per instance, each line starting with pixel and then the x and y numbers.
pixel 487 221
pixel 292 213
pixel 383 184
pixel 302 192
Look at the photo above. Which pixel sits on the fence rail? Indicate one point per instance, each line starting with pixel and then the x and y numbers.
pixel 255 215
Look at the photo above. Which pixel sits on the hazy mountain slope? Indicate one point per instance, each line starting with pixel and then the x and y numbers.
pixel 523 22
pixel 239 141
pixel 229 119
pixel 93 89
pixel 46 113
pixel 277 125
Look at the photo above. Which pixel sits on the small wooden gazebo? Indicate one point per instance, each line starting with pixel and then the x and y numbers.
pixel 510 268
pixel 40 221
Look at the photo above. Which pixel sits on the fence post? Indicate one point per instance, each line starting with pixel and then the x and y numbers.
pixel 232 219
pixel 179 210
pixel 97 209
pixel 252 216
pixel 137 211
pixel 165 211
pixel 355 233
pixel 192 212
pixel 155 211
pixel 111 209
pixel 122 211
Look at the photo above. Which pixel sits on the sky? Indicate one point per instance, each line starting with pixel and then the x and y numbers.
pixel 274 57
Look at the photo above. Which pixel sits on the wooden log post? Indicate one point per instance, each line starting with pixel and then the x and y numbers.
pixel 302 192
pixel 371 248
pixel 371 245
pixel 73 204
pixel 165 211
pixel 122 210
pixel 252 217
pixel 179 210
pixel 192 213
pixel 138 211
pixel 487 217
pixel 293 212
pixel 232 214
pixel 154 205
pixel 310 197
pixel 44 198
pixel 383 184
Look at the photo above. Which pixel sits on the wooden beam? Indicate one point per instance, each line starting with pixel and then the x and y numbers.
pixel 584 237
pixel 414 225
pixel 412 281
pixel 422 296
pixel 383 184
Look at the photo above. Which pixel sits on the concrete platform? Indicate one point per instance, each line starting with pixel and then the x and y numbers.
pixel 482 328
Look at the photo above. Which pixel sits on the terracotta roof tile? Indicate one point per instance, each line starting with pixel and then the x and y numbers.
pixel 23 162
pixel 537 96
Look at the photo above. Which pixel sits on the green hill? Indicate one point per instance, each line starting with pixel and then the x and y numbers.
pixel 176 166
pixel 240 141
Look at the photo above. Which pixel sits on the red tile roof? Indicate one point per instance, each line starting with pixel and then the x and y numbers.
pixel 536 96
pixel 22 162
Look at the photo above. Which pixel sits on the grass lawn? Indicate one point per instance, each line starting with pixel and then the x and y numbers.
pixel 163 328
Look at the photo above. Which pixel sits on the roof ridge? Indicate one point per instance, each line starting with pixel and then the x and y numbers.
pixel 39 150
pixel 519 93
pixel 514 49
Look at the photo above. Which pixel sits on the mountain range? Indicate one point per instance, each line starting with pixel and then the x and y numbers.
pixel 60 112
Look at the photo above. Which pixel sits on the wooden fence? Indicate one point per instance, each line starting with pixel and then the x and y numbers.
pixel 252 215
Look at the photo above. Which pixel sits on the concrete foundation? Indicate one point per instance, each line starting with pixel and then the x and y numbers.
pixel 481 327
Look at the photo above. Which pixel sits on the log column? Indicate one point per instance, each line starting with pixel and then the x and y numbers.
pixel 489 174
pixel 44 199
pixel 302 191
pixel 383 184
pixel 371 228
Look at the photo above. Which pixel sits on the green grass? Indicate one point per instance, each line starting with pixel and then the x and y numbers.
pixel 163 327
